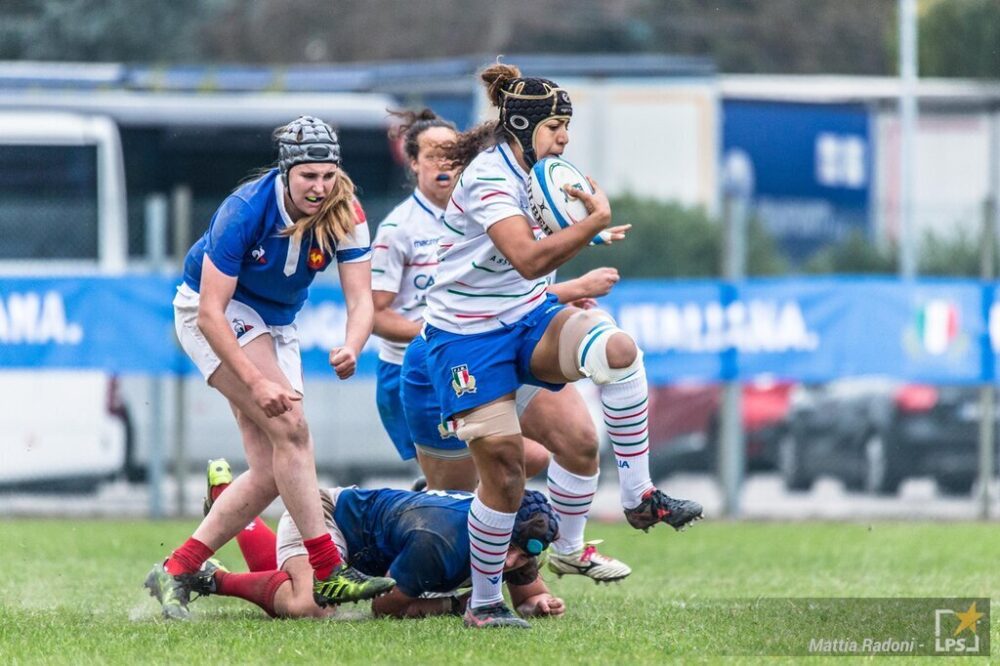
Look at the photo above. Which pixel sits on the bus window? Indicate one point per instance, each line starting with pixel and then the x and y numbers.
pixel 48 202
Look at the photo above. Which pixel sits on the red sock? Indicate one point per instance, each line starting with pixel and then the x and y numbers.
pixel 188 558
pixel 323 555
pixel 257 541
pixel 258 545
pixel 258 587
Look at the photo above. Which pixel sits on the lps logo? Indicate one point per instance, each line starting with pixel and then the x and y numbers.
pixel 952 630
pixel 936 330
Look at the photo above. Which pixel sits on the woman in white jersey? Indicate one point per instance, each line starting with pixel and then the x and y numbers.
pixel 404 262
pixel 492 326
pixel 403 268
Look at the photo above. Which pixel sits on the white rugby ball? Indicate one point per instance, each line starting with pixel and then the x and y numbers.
pixel 551 207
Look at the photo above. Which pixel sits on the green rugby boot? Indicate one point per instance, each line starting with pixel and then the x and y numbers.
pixel 219 473
pixel 173 592
pixel 348 584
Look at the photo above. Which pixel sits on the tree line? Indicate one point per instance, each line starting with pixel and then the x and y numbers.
pixel 959 38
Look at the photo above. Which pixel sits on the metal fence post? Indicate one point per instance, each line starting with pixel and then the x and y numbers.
pixel 732 449
pixel 156 252
pixel 987 394
pixel 181 205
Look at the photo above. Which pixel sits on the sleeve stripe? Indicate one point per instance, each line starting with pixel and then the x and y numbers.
pixel 380 246
pixel 496 193
pixel 353 253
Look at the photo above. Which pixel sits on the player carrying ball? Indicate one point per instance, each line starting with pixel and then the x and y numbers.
pixel 491 326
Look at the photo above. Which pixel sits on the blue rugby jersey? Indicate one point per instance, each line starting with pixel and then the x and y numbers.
pixel 273 273
pixel 421 539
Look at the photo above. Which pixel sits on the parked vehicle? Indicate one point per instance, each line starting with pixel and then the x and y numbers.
pixel 63 431
pixel 874 434
pixel 684 425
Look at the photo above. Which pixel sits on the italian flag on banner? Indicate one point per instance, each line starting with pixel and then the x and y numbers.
pixel 937 325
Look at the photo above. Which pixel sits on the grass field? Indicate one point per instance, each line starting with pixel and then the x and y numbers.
pixel 70 593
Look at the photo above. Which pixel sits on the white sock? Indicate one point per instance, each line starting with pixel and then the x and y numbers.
pixel 489 540
pixel 626 415
pixel 571 496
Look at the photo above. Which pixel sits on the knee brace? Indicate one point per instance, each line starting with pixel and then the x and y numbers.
pixel 583 344
pixel 496 419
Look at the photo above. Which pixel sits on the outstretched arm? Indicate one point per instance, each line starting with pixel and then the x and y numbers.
pixel 592 284
pixel 389 324
pixel 399 605
pixel 535 599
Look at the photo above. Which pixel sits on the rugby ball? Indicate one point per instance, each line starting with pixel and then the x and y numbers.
pixel 551 207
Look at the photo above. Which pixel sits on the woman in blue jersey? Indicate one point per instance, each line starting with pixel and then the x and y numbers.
pixel 244 282
pixel 420 539
pixel 492 326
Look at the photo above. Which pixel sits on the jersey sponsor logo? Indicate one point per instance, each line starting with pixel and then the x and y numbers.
pixel 240 327
pixel 426 242
pixel 461 381
pixel 316 260
pixel 422 281
pixel 257 254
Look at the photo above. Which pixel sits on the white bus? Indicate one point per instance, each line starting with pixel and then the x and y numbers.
pixel 62 211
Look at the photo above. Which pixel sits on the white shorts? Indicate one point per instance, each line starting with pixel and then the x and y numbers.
pixel 247 325
pixel 290 539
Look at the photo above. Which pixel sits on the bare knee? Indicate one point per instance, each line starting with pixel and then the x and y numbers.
pixel 576 440
pixel 291 430
pixel 621 351
pixel 500 463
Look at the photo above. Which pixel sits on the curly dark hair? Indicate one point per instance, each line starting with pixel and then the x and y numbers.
pixel 413 124
pixel 490 133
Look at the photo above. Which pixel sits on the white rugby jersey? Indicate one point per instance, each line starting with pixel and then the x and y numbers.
pixel 476 288
pixel 404 261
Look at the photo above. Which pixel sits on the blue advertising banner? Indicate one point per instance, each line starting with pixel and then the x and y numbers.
pixel 121 324
pixel 804 329
pixel 808 167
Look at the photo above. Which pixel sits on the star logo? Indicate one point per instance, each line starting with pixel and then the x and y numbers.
pixel 967 620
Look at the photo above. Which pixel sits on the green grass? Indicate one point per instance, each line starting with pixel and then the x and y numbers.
pixel 70 593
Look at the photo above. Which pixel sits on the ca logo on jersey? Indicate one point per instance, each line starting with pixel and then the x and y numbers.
pixel 462 381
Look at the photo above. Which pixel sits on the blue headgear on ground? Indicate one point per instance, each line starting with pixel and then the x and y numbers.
pixel 306 139
pixel 526 104
pixel 535 525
